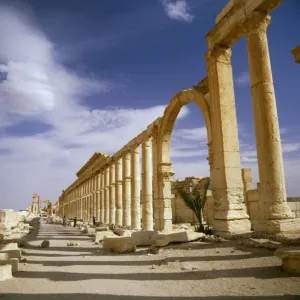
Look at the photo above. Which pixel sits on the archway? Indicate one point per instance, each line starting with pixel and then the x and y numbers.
pixel 164 166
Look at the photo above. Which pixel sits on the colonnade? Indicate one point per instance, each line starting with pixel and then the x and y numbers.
pixel 109 187
pixel 115 194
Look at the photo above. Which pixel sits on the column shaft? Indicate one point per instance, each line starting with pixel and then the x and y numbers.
pixel 106 196
pixel 226 179
pixel 119 195
pixel 102 196
pixel 126 190
pixel 112 195
pixel 135 189
pixel 268 142
pixel 147 198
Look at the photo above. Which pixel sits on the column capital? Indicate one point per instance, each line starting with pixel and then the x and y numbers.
pixel 257 23
pixel 219 53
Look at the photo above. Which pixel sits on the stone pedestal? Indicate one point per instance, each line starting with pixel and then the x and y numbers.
pixel 275 210
pixel 135 189
pixel 226 181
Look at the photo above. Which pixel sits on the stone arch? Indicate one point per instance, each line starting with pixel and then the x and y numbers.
pixel 163 167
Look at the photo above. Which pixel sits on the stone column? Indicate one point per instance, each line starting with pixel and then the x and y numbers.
pixel 147 199
pixel 98 196
pixel 156 200
pixel 106 196
pixel 135 189
pixel 268 142
pixel 226 180
pixel 126 190
pixel 119 195
pixel 165 176
pixel 112 195
pixel 102 196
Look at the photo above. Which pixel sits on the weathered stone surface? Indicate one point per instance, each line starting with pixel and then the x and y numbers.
pixel 102 228
pixel 70 244
pixel 123 232
pixel 163 239
pixel 89 230
pixel 290 258
pixel 261 243
pixel 100 235
pixel 143 238
pixel 14 262
pixel 45 244
pixel 119 244
pixel 11 249
pixel 5 272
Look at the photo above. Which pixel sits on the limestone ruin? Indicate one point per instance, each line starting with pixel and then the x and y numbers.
pixel 133 212
pixel 109 186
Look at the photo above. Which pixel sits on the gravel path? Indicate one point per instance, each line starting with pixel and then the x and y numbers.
pixel 219 271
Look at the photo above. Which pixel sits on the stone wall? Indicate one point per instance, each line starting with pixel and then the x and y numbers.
pixel 180 212
pixel 294 204
pixel 10 218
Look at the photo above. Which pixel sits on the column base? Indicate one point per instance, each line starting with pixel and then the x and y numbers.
pixel 277 226
pixel 231 227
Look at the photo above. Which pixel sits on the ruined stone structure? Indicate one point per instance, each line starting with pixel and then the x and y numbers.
pixel 35 206
pixel 108 186
pixel 296 53
pixel 49 207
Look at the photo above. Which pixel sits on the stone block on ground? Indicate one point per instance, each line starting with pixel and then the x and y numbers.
pixel 11 249
pixel 45 244
pixel 143 238
pixel 5 272
pixel 290 258
pixel 163 239
pixel 100 235
pixel 89 230
pixel 102 228
pixel 123 232
pixel 71 244
pixel 14 262
pixel 119 244
pixel 261 243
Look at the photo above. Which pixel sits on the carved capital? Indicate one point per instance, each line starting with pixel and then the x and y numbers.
pixel 220 54
pixel 257 23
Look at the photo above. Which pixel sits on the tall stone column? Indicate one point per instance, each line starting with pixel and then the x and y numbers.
pixel 102 196
pixel 112 195
pixel 119 194
pixel 126 190
pixel 268 142
pixel 135 189
pixel 226 180
pixel 156 200
pixel 147 198
pixel 98 196
pixel 106 196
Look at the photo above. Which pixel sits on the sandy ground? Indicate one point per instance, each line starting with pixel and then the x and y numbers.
pixel 218 271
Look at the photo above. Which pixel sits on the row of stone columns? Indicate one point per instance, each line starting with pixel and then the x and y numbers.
pixel 113 195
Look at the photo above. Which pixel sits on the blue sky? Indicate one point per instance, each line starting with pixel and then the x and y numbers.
pixel 78 77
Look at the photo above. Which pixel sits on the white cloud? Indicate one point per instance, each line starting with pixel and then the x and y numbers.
pixel 178 10
pixel 243 79
pixel 37 87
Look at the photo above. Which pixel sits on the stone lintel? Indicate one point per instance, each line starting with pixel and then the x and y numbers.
pixel 296 53
pixel 230 25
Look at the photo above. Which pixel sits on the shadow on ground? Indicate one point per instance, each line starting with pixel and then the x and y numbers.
pixel 124 297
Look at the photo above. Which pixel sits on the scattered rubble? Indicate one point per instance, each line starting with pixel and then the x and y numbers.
pixel 45 244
